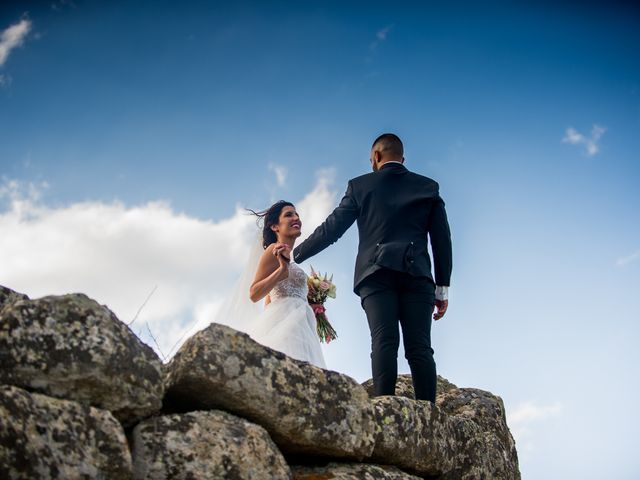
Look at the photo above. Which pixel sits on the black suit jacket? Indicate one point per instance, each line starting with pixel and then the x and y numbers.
pixel 397 210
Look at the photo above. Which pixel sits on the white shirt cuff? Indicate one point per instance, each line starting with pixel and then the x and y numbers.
pixel 442 293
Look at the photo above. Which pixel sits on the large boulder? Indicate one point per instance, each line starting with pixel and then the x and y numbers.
pixel 44 437
pixel 305 409
pixel 414 435
pixel 71 347
pixel 497 453
pixel 205 444
pixel 470 432
pixel 349 471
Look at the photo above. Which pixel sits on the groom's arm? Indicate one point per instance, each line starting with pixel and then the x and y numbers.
pixel 331 229
pixel 440 236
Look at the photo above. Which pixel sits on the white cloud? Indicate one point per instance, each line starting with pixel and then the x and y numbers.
pixel 21 197
pixel 381 36
pixel 5 80
pixel 318 203
pixel 522 418
pixel 118 254
pixel 621 262
pixel 573 137
pixel 529 411
pixel 280 172
pixel 13 37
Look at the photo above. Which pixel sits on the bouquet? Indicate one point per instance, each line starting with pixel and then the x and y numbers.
pixel 321 288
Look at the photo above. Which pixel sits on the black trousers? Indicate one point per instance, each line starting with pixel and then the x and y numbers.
pixel 392 299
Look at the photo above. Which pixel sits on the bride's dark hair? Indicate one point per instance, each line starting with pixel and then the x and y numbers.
pixel 269 217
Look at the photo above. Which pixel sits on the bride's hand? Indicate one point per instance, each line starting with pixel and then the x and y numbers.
pixel 282 250
pixel 283 260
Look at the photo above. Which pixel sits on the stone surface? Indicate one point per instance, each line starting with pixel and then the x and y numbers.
pixel 73 348
pixel 414 435
pixel 8 296
pixel 468 437
pixel 43 437
pixel 404 386
pixel 205 444
pixel 496 450
pixel 350 471
pixel 305 409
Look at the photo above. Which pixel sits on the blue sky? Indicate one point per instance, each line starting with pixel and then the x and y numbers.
pixel 135 130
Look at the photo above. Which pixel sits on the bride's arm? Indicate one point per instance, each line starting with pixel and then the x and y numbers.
pixel 271 269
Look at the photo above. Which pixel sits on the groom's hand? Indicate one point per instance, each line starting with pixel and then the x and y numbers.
pixel 441 309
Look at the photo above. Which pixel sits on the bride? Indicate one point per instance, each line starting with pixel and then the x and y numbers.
pixel 287 322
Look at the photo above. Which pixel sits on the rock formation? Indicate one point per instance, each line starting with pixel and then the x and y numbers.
pixel 74 380
pixel 205 444
pixel 44 437
pixel 478 422
pixel 305 409
pixel 73 348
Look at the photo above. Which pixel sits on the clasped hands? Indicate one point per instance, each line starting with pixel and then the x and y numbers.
pixel 282 252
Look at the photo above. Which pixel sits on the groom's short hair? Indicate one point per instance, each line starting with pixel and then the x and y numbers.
pixel 389 142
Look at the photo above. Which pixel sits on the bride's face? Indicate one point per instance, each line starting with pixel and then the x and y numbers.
pixel 289 223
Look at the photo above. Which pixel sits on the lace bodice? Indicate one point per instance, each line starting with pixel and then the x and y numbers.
pixel 294 286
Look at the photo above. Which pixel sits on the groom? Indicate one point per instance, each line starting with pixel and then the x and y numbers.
pixel 397 210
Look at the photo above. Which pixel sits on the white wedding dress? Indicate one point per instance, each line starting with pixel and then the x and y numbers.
pixel 287 324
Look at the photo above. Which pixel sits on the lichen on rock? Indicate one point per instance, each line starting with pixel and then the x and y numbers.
pixel 304 408
pixel 205 444
pixel 8 296
pixel 464 436
pixel 349 471
pixel 45 437
pixel 231 408
pixel 404 386
pixel 71 347
pixel 491 449
pixel 414 435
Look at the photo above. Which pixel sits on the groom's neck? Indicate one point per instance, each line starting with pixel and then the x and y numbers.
pixel 387 162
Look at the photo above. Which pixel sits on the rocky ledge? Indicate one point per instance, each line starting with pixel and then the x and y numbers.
pixel 82 397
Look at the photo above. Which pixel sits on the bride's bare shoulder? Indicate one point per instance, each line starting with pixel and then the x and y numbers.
pixel 269 251
pixel 268 256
